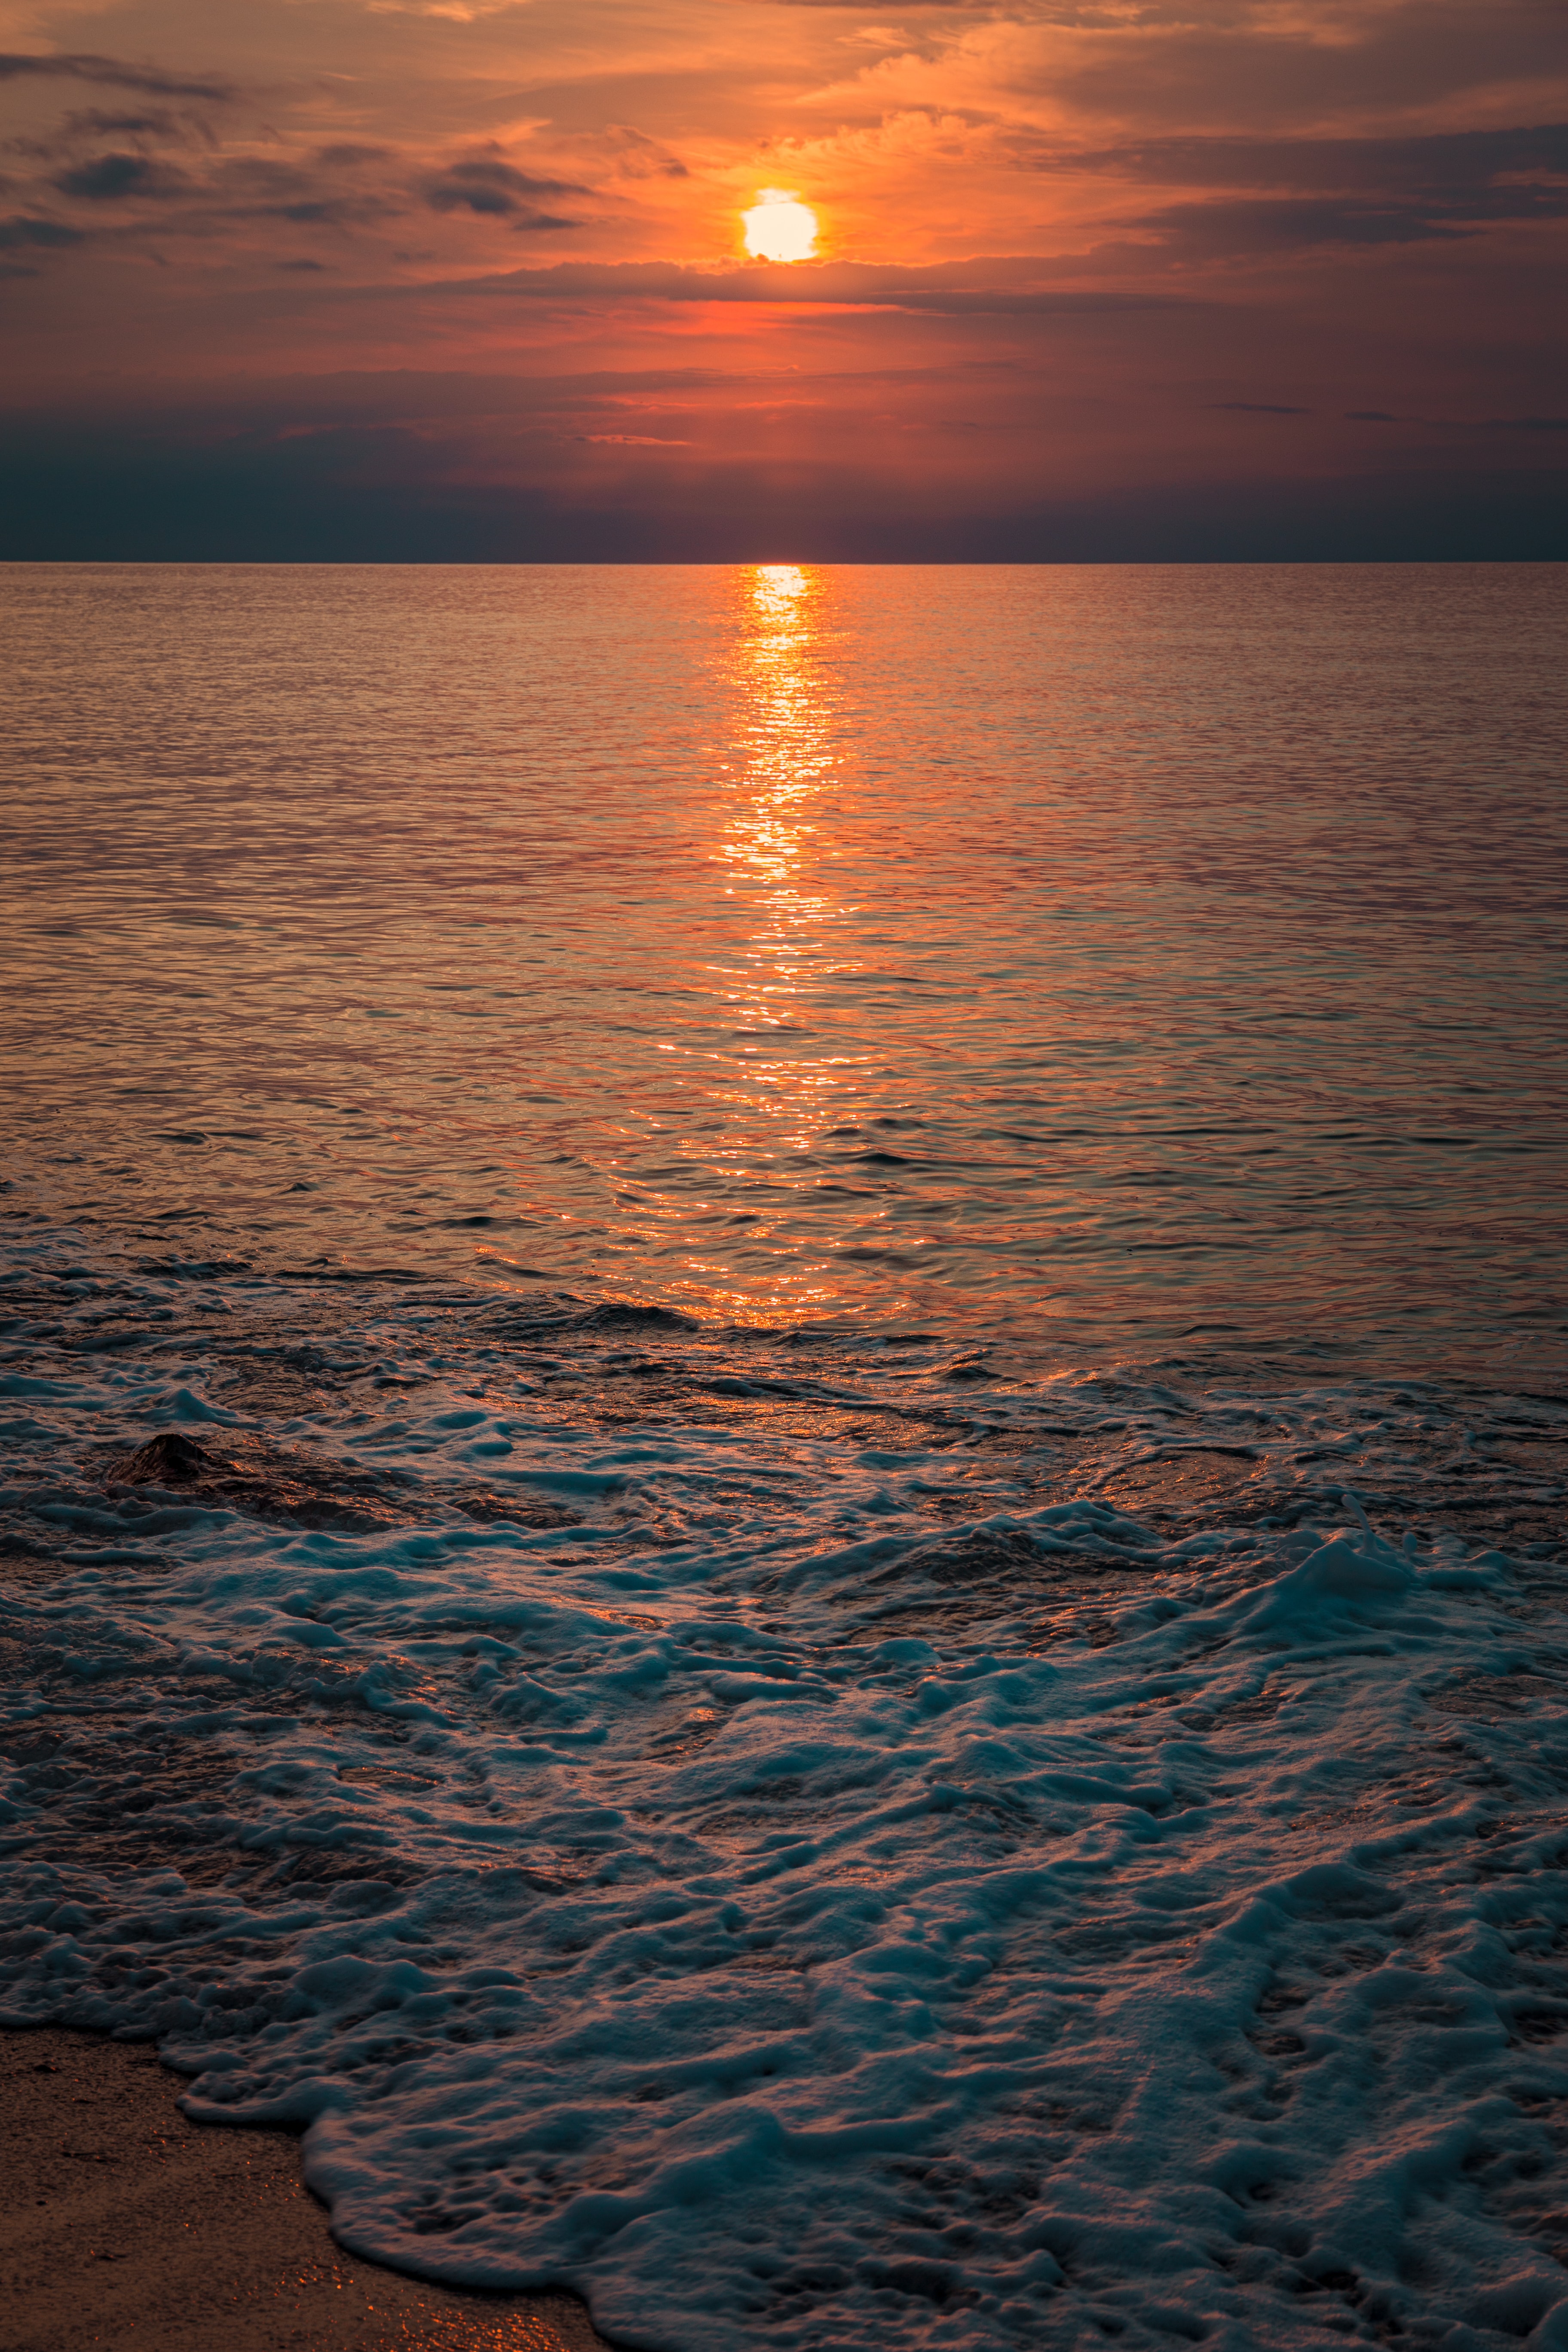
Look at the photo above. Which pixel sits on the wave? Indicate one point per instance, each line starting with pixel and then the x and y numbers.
pixel 802 1832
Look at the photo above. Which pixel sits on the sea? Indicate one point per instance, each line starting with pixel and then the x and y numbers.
pixel 784 1391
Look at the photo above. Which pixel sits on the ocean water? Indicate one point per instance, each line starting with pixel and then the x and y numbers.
pixel 1094 958
pixel 785 1424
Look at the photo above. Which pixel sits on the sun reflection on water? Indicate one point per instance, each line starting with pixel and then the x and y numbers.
pixel 774 1075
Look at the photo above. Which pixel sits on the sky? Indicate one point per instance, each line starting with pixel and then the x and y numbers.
pixel 467 279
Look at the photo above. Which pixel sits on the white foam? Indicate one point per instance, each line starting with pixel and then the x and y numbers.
pixel 867 1879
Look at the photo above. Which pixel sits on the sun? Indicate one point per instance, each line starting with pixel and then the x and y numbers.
pixel 779 227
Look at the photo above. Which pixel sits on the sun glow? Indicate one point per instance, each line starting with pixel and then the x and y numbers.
pixel 779 227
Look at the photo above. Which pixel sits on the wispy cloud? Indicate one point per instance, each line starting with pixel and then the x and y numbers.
pixel 17 65
pixel 26 229
pixel 498 191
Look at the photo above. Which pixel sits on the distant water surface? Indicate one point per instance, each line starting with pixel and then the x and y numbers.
pixel 1104 958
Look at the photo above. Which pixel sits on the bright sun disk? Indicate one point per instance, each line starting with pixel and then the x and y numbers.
pixel 779 227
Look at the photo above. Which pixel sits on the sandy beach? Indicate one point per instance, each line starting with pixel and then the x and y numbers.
pixel 126 2225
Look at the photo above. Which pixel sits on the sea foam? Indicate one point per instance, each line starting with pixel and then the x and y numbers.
pixel 791 1842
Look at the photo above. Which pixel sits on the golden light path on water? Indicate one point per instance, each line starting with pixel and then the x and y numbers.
pixel 772 1080
pixel 785 1092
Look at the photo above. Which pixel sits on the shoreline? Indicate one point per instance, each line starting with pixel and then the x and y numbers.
pixel 902 1840
pixel 127 2224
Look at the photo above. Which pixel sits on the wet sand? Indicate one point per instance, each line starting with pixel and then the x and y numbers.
pixel 121 2224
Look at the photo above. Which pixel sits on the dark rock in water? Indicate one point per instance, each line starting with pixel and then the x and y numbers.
pixel 170 1459
pixel 312 1491
pixel 262 1479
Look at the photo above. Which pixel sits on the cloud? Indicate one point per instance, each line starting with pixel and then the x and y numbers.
pixel 1440 163
pixel 1224 64
pixel 1258 408
pixel 1458 425
pixel 499 191
pixel 346 156
pixel 108 179
pixel 342 185
pixel 1348 192
pixel 980 289
pixel 218 192
pixel 638 157
pixel 1266 225
pixel 81 66
pixel 92 123
pixel 1204 66
pixel 261 187
pixel 24 228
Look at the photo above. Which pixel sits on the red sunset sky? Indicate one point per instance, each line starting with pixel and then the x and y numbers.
pixel 456 278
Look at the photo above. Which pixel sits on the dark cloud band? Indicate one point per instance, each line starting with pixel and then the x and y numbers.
pixel 16 65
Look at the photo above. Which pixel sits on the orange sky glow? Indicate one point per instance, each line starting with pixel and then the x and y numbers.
pixel 479 277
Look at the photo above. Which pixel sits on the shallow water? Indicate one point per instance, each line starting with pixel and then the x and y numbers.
pixel 1089 958
pixel 1001 1781
pixel 796 1840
